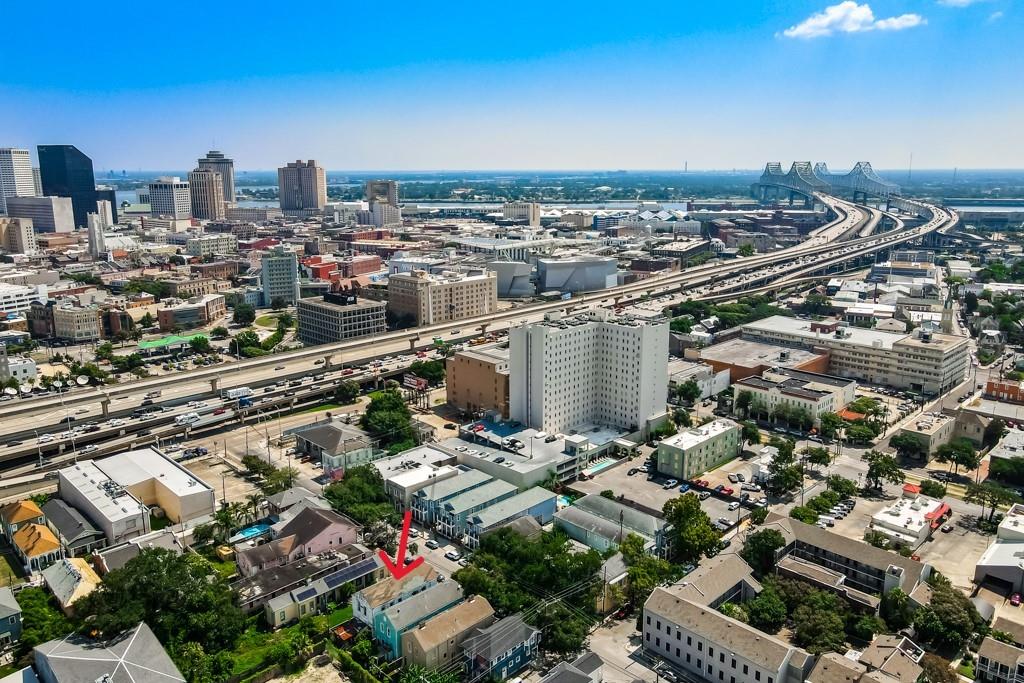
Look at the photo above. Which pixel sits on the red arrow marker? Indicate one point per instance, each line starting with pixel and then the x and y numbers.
pixel 398 568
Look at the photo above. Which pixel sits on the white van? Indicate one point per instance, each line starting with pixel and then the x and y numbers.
pixel 829 521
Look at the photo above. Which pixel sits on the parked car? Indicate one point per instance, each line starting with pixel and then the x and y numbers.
pixel 453 555
pixel 432 544
pixel 1015 599
pixel 703 495
pixel 683 488
pixel 739 475
pixel 734 505
pixel 946 528
pixel 727 491
pixel 670 484
pixel 733 479
pixel 719 488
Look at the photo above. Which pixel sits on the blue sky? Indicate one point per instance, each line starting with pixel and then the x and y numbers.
pixel 539 85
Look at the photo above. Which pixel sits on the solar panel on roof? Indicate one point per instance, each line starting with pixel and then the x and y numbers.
pixel 361 568
pixel 306 594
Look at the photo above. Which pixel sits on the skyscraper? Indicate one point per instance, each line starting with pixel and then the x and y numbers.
pixel 279 275
pixel 170 196
pixel 216 161
pixel 382 190
pixel 207 189
pixel 15 175
pixel 66 172
pixel 105 193
pixel 302 186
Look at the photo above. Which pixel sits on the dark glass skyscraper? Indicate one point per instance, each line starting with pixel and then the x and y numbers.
pixel 66 172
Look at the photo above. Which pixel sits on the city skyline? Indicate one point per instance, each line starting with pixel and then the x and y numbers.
pixel 567 87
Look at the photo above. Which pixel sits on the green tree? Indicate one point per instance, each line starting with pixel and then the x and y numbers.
pixel 41 619
pixel 817 456
pixel 692 533
pixel 882 467
pixel 104 352
pixel 816 304
pixel 244 314
pixel 864 626
pixel 200 344
pixel 219 332
pixel 949 620
pixel 347 392
pixel 935 669
pixel 933 489
pixel 199 667
pixel 846 488
pixel 895 609
pixel 246 339
pixel 830 423
pixel 959 453
pixel 744 400
pixel 746 250
pixel 750 433
pixel 970 302
pixel 180 597
pixel 689 391
pixel 277 303
pixel 907 445
pixel 760 548
pixel 361 496
pixel 991 495
pixel 767 612
pixel 820 622
pixel 388 419
pixel 994 431
pixel 431 370
pixel 859 434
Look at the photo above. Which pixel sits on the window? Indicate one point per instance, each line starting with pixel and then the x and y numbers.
pixel 711 651
pixel 687 657
pixel 648 620
pixel 700 647
pixel 745 669
pixel 757 675
pixel 721 658
pixel 689 640
pixel 658 627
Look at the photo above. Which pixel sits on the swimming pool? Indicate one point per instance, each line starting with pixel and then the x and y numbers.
pixel 253 531
pixel 600 467
pixel 563 502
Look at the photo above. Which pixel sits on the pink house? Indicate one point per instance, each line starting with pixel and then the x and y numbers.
pixel 311 532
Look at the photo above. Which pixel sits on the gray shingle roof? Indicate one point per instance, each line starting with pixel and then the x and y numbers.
pixel 68 521
pixel 8 603
pixel 135 656
pixel 499 637
pixel 422 605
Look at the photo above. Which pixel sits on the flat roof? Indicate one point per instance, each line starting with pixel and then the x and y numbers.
pixel 134 467
pixel 749 353
pixel 107 496
pixel 426 454
pixel 697 435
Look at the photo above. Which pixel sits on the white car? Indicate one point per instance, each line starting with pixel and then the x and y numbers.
pixel 90 448
pixel 45 438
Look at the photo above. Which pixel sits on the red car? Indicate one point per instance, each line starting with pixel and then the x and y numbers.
pixel 220 411
pixel 1015 599
pixel 727 491
pixel 478 428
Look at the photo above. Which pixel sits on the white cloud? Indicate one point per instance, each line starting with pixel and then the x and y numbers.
pixel 958 3
pixel 995 16
pixel 850 17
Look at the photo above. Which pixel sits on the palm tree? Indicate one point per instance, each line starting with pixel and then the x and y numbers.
pixel 224 521
pixel 254 500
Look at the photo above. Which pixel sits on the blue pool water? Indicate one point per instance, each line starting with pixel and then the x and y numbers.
pixel 254 530
pixel 564 501
pixel 600 467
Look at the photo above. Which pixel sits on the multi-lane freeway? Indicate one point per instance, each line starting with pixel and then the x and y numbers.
pixel 836 243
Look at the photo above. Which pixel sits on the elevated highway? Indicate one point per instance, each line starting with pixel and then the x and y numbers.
pixel 711 281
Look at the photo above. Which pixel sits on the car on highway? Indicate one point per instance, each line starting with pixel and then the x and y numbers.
pixel 90 448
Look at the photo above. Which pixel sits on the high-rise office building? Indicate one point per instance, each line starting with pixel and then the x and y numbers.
pixel 48 214
pixel 279 276
pixel 216 161
pixel 105 193
pixel 17 236
pixel 65 172
pixel 15 175
pixel 95 231
pixel 170 196
pixel 207 188
pixel 37 180
pixel 382 191
pixel 302 186
pixel 429 299
pixel 587 370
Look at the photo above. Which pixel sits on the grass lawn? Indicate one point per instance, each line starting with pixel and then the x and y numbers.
pixel 339 616
pixel 319 408
pixel 226 569
pixel 269 320
pixel 255 643
pixel 966 669
pixel 158 523
pixel 10 571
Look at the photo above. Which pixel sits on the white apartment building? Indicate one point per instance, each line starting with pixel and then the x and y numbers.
pixel 279 276
pixel 48 214
pixel 710 646
pixel 921 361
pixel 207 191
pixel 382 214
pixel 211 244
pixel 591 369
pixel 18 298
pixel 438 298
pixel 170 196
pixel 811 392
pixel 16 367
pixel 530 211
pixel 698 449
pixel 16 178
pixel 337 317
pixel 76 323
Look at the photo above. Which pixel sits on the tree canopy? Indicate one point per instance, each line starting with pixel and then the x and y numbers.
pixel 692 533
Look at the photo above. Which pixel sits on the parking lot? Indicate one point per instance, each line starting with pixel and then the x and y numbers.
pixel 222 478
pixel 648 493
